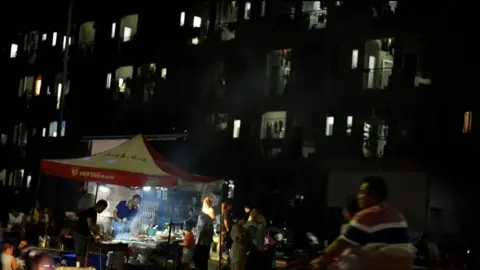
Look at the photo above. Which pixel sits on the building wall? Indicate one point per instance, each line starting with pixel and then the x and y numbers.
pixel 451 203
pixel 229 77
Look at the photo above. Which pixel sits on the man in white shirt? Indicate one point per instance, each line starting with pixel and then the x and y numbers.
pixel 203 241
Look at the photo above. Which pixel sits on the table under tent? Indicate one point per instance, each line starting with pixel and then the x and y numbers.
pixel 133 164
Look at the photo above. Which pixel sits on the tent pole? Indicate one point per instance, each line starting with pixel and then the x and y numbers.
pixel 96 193
pixel 220 250
pixel 35 197
pixel 204 192
pixel 170 225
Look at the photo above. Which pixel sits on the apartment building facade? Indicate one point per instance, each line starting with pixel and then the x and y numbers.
pixel 289 90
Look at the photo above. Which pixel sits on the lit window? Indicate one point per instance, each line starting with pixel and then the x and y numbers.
pixel 349 125
pixel 329 126
pixel 29 180
pixel 236 128
pixel 27 85
pixel 121 85
pixel 64 44
pixel 122 75
pixel 62 131
pixel 44 37
pixel 38 86
pixel 4 139
pixel 163 73
pixel 114 29
pixel 264 7
pixel 44 132
pixel 195 41
pixel 467 122
pixel 392 5
pixel 372 60
pixel 197 22
pixel 54 39
pixel 109 80
pixel 59 95
pixel 354 59
pixel 248 6
pixel 273 125
pixel 182 19
pixel 52 130
pixel 13 50
pixel 127 34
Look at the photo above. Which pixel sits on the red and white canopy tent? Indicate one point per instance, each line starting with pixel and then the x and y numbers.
pixel 135 163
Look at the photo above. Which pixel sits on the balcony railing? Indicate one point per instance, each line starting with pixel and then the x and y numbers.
pixel 376 78
pixel 422 81
pixel 315 19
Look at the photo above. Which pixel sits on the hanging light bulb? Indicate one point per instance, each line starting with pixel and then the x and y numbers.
pixel 104 189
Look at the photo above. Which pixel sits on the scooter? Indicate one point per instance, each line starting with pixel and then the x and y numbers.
pixel 302 258
pixel 283 237
pixel 270 251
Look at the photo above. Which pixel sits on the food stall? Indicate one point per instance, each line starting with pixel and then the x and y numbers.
pixel 138 167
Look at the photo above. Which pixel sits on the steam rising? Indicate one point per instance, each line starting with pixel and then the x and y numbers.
pixel 134 229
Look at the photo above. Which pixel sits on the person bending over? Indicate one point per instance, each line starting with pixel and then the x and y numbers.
pixel 85 229
pixel 124 213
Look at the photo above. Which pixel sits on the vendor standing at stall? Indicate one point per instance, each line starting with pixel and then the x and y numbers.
pixel 85 228
pixel 203 241
pixel 124 213
pixel 207 208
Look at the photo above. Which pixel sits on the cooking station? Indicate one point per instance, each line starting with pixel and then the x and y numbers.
pixel 145 242
pixel 140 251
pixel 132 168
pixel 143 250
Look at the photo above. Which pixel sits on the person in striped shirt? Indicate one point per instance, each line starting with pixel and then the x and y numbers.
pixel 379 232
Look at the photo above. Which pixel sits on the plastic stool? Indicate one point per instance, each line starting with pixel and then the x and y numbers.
pixel 69 256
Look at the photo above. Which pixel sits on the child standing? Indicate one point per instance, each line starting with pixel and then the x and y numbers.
pixel 188 246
